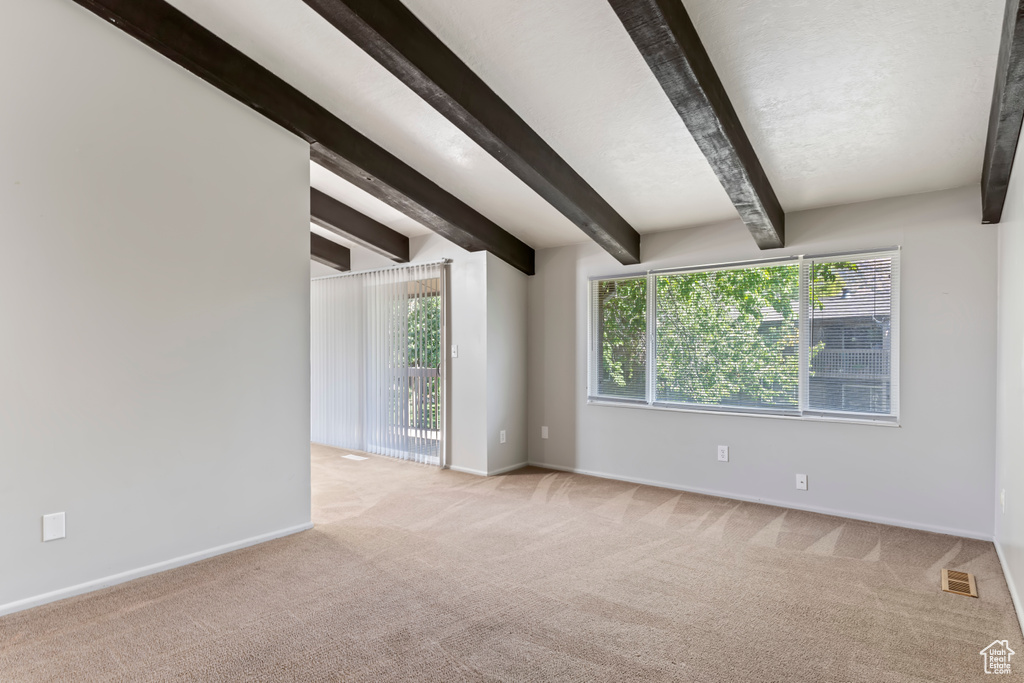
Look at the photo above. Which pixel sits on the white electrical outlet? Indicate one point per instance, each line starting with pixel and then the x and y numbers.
pixel 543 432
pixel 801 482
pixel 501 436
pixel 455 350
pixel 723 454
pixel 1002 499
pixel 53 527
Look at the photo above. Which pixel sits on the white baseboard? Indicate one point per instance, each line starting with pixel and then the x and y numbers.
pixel 949 531
pixel 467 470
pixel 481 473
pixel 510 468
pixel 115 579
pixel 1010 584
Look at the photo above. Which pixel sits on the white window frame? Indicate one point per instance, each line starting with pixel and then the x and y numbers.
pixel 802 412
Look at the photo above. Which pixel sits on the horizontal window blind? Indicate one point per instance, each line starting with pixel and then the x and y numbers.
pixel 850 335
pixel 620 338
pixel 808 336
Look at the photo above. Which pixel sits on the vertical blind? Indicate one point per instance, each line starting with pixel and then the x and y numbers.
pixel 377 373
pixel 797 336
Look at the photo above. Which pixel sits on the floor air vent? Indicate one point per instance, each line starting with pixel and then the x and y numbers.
pixel 960 583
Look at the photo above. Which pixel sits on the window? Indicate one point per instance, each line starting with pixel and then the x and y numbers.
pixel 621 307
pixel 803 336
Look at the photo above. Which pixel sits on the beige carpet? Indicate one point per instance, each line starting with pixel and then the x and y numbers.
pixel 417 574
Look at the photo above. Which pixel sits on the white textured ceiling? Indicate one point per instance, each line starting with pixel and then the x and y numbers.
pixel 843 101
pixel 850 101
pixel 294 42
pixel 572 72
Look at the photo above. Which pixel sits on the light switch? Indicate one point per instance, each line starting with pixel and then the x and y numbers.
pixel 53 526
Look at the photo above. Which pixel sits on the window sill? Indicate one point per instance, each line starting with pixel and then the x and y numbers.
pixel 737 413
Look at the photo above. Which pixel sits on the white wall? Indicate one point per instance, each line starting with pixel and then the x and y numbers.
pixel 935 471
pixel 1009 524
pixel 506 365
pixel 154 299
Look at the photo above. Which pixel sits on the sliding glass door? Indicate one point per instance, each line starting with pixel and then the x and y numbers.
pixel 377 363
pixel 424 391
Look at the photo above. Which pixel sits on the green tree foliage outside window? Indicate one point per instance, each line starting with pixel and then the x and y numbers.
pixel 424 351
pixel 424 335
pixel 622 310
pixel 715 346
pixel 723 337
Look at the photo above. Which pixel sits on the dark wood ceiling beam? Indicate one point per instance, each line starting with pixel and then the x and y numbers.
pixel 329 253
pixel 1004 123
pixel 330 214
pixel 392 35
pixel 333 143
pixel 669 43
